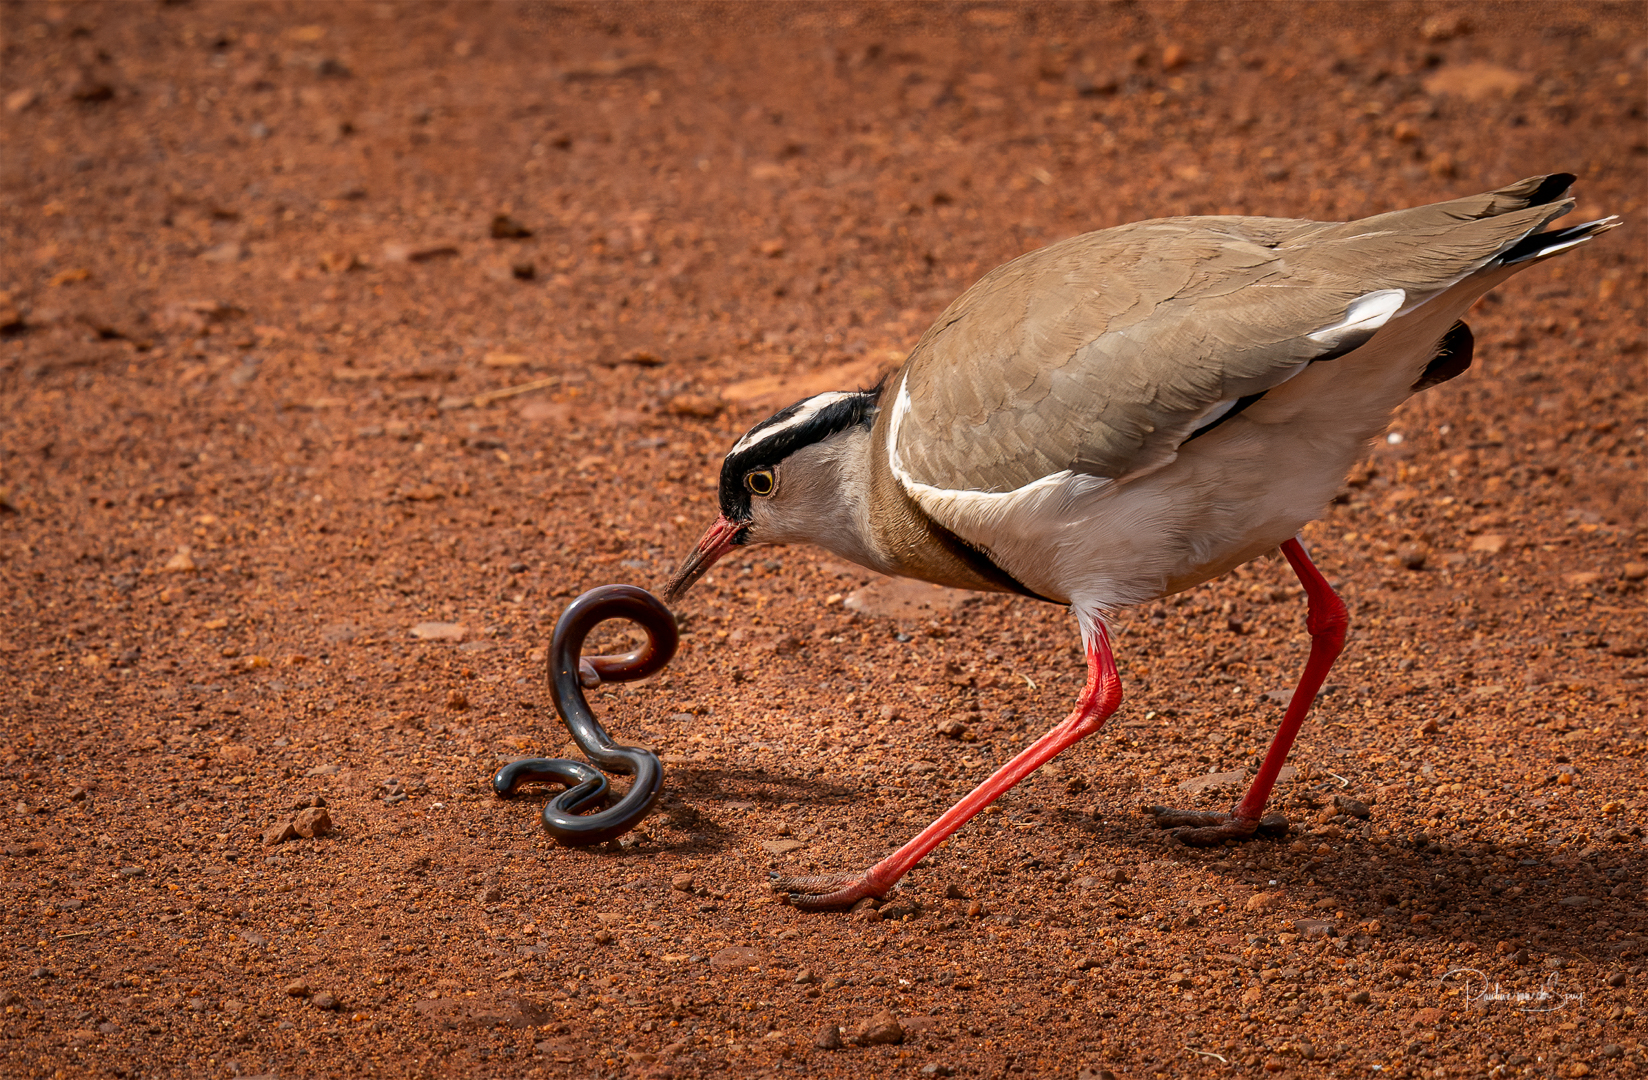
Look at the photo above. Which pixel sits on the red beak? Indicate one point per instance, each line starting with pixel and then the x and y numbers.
pixel 721 538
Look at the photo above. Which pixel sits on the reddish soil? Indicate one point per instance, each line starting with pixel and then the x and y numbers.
pixel 265 272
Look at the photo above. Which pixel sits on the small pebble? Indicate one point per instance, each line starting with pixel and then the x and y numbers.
pixel 682 883
pixel 936 1069
pixel 505 227
pixel 297 988
pixel 1354 807
pixel 279 834
pixel 829 1038
pixel 805 976
pixel 975 909
pixel 1361 997
pixel 700 405
pixel 314 821
pixel 953 892
pixel 882 1029
pixel 603 937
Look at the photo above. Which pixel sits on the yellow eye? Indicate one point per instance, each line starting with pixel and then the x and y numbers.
pixel 760 482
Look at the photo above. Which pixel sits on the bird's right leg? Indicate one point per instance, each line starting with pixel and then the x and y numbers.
pixel 1100 698
pixel 1327 620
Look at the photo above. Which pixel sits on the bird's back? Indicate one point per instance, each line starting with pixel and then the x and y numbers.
pixel 1100 353
pixel 1067 377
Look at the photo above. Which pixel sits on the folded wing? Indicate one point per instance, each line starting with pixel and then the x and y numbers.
pixel 1101 354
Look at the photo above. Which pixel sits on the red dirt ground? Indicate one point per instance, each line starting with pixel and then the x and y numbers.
pixel 263 285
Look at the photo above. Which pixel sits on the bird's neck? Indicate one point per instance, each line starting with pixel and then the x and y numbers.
pixel 909 543
pixel 852 505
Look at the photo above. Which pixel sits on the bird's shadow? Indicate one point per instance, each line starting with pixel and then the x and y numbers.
pixel 1516 905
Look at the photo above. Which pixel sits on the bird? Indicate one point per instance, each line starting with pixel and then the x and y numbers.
pixel 1123 415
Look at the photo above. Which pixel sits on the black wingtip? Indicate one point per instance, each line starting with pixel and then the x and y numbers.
pixel 1552 188
pixel 1546 243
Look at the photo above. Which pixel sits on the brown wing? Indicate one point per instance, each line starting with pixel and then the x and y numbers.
pixel 1101 353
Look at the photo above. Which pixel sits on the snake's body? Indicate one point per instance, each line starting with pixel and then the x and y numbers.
pixel 587 787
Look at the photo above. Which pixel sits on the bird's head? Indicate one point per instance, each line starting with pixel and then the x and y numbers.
pixel 795 477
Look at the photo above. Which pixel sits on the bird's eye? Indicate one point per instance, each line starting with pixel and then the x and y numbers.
pixel 760 482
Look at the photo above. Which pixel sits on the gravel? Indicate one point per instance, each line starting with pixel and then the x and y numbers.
pixel 230 492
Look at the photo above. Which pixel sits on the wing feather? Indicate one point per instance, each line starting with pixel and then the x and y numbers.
pixel 1102 353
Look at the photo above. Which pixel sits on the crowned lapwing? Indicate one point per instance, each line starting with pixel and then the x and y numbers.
pixel 1123 415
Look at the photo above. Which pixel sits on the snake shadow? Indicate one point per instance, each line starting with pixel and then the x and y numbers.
pixel 697 800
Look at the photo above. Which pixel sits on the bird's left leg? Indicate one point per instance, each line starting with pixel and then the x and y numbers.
pixel 1100 697
pixel 1327 620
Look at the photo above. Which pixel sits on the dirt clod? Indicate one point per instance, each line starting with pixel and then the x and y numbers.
pixel 279 834
pixel 312 822
pixel 882 1029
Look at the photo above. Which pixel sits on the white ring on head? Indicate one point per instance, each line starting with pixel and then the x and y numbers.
pixel 804 412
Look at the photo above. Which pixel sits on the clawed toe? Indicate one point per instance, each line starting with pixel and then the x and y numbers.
pixel 1168 818
pixel 822 892
pixel 1200 828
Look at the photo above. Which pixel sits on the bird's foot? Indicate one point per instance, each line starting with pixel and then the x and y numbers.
pixel 1201 828
pixel 825 892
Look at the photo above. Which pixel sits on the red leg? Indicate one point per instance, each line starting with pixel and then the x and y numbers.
pixel 1099 699
pixel 1327 620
